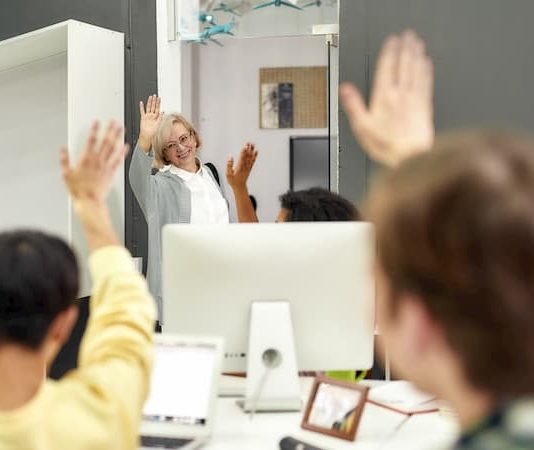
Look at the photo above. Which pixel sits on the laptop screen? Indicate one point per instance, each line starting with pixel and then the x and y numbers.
pixel 182 383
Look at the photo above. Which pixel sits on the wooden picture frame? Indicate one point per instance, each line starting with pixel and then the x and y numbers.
pixel 349 398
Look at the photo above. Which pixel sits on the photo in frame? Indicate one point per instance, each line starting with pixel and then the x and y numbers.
pixel 335 407
pixel 277 105
pixel 293 97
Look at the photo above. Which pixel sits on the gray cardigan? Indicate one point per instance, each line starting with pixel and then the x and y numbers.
pixel 164 198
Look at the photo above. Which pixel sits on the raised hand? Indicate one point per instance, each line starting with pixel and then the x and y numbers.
pixel 399 120
pixel 237 176
pixel 91 177
pixel 150 119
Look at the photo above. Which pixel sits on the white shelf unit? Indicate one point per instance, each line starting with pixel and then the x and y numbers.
pixel 53 83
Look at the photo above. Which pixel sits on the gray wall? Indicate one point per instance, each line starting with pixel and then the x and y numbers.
pixel 137 20
pixel 483 55
pixel 353 66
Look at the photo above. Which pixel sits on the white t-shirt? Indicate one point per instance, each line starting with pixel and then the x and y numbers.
pixel 208 206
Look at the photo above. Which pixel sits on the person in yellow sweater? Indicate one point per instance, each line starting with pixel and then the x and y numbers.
pixel 99 405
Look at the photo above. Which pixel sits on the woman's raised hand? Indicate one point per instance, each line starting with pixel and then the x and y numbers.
pixel 150 119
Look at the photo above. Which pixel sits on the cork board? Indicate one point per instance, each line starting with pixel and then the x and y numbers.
pixel 309 96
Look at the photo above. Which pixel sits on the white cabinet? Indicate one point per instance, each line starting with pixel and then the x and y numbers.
pixel 53 83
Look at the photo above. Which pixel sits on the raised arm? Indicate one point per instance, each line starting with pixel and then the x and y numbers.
pixel 140 171
pixel 116 352
pixel 90 180
pixel 398 122
pixel 237 178
pixel 150 118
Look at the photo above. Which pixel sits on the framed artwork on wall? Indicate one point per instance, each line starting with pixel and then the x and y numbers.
pixel 293 97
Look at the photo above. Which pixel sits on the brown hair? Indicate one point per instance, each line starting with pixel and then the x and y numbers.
pixel 162 135
pixel 455 227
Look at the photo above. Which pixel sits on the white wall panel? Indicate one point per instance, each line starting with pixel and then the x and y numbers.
pixel 53 83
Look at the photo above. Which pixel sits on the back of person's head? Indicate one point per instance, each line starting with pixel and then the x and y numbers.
pixel 455 230
pixel 38 280
pixel 317 205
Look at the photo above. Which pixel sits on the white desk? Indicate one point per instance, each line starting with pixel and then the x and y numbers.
pixel 379 429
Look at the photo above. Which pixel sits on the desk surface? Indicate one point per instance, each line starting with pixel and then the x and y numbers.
pixel 379 429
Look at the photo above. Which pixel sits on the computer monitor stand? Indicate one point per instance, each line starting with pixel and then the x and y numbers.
pixel 272 375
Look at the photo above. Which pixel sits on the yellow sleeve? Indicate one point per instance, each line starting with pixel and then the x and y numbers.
pixel 116 352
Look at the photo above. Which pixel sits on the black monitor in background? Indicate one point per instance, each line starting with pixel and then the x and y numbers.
pixel 309 162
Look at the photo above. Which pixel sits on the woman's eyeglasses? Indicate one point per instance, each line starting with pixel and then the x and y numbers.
pixel 182 140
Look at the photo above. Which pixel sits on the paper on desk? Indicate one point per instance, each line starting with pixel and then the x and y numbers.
pixel 404 397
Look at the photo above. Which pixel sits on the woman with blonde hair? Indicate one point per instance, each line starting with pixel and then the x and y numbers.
pixel 183 190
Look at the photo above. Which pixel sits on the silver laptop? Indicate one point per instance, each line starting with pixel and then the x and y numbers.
pixel 180 407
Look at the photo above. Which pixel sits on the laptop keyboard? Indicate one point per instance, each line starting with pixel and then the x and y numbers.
pixel 163 442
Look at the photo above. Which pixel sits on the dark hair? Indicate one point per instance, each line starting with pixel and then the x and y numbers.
pixel 317 205
pixel 455 228
pixel 38 280
pixel 254 202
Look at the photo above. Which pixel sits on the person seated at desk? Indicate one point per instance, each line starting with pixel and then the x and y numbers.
pixel 309 205
pixel 455 252
pixel 97 406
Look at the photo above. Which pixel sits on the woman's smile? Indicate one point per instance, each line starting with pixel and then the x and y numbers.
pixel 184 153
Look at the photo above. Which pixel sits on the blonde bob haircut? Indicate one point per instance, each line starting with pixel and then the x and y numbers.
pixel 161 137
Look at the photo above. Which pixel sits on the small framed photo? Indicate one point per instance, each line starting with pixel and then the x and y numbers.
pixel 335 407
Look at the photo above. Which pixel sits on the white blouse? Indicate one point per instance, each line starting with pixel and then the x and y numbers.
pixel 208 206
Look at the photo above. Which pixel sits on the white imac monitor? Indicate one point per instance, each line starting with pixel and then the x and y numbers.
pixel 321 272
